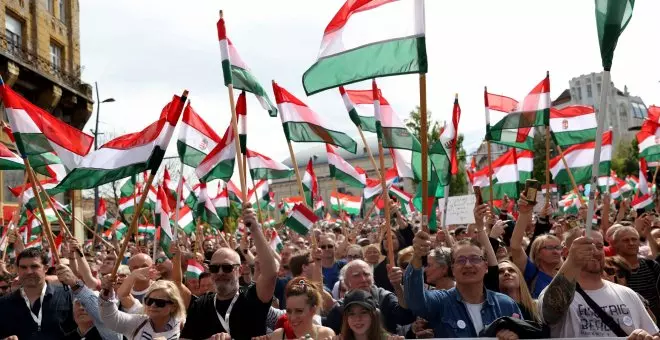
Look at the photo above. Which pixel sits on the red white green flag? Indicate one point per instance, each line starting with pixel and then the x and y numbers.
pixel 219 163
pixel 301 124
pixel 360 107
pixel 573 125
pixel 525 161
pixel 194 269
pixel 648 140
pixel 10 160
pixel 343 171
pixel 343 202
pixel 310 184
pixel 579 158
pixel 241 116
pixel 300 219
pixel 505 177
pixel 263 167
pixel 196 138
pixel 643 184
pixel 369 39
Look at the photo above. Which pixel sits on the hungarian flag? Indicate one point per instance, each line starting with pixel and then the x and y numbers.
pixel 263 167
pixel 29 199
pixel 612 17
pixel 300 219
pixel 404 199
pixel 643 184
pixel 241 116
pixel 516 129
pixel 196 138
pixel 128 154
pixel 36 243
pixel 319 207
pixel 205 209
pixel 643 202
pixel 343 202
pixel 259 192
pixel 120 229
pixel 170 188
pixel 221 203
pixel 360 107
pixel 234 193
pixel 147 229
pixel 301 124
pixel 505 177
pixel 395 45
pixel 341 170
pixel 163 212
pixel 310 183
pixel 525 162
pixel 449 137
pixel 10 160
pixel 101 215
pixel 127 204
pixel 573 125
pixel 186 221
pixel 648 141
pixel 579 158
pixel 126 186
pixel 237 73
pixel 194 269
pixel 374 187
pixel 289 202
pixel 37 131
pixel 275 242
pixel 219 163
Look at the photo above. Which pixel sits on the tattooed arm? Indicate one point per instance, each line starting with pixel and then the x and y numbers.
pixel 559 294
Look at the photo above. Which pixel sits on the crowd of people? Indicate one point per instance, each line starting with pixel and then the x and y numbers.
pixel 511 274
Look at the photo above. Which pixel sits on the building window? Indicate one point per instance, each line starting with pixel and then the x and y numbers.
pixel 56 56
pixel 51 6
pixel 579 93
pixel 13 33
pixel 62 4
pixel 638 110
pixel 589 91
pixel 598 88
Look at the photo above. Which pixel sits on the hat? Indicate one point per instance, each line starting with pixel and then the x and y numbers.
pixel 460 230
pixel 361 298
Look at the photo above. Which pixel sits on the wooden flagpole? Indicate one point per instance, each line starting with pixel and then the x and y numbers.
pixel 57 213
pixel 371 156
pixel 547 155
pixel 297 172
pixel 40 206
pixel 179 193
pixel 234 126
pixel 570 175
pixel 423 125
pixel 490 159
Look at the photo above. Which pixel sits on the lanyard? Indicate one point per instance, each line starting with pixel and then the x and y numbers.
pixel 225 321
pixel 36 318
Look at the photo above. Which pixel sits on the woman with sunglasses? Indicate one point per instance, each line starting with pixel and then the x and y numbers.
pixel 163 315
pixel 303 300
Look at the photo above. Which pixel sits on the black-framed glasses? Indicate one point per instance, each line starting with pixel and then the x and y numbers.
pixel 474 259
pixel 327 246
pixel 160 303
pixel 226 268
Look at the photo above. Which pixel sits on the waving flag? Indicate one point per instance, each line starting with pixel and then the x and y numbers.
pixel 219 163
pixel 525 162
pixel 505 177
pixel 241 115
pixel 573 125
pixel 310 184
pixel 360 106
pixel 643 184
pixel 579 158
pixel 301 124
pixel 369 39
pixel 612 17
pixel 196 138
pixel 128 154
pixel 648 141
pixel 101 215
pixel 237 73
pixel 343 171
pixel 10 160
pixel 449 137
pixel 343 202
pixel 300 219
pixel 262 167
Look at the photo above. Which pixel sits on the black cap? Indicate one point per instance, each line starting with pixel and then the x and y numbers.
pixel 361 298
pixel 460 230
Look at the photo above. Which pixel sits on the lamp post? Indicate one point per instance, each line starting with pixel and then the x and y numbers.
pixel 96 146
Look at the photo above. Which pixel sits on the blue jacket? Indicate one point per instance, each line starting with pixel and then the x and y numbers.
pixel 445 310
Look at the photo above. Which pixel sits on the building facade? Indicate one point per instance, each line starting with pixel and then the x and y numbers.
pixel 289 187
pixel 40 59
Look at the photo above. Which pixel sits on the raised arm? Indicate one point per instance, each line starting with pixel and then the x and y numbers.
pixel 518 254
pixel 417 299
pixel 82 267
pixel 482 236
pixel 268 277
pixel 177 276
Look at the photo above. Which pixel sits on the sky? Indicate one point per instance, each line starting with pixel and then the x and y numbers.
pixel 143 52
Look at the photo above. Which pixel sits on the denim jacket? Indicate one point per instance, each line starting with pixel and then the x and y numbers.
pixel 445 310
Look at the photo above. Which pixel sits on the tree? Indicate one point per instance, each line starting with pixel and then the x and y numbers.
pixel 413 123
pixel 539 155
pixel 625 160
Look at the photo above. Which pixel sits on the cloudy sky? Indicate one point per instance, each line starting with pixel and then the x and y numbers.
pixel 142 52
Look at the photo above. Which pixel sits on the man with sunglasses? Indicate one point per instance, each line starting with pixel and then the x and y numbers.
pixel 240 312
pixel 331 266
pixel 462 311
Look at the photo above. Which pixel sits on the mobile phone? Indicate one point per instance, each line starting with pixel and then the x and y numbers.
pixel 531 188
pixel 477 195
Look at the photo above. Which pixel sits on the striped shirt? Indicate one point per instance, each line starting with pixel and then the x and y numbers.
pixel 644 280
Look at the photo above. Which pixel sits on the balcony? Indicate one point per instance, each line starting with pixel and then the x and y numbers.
pixel 11 46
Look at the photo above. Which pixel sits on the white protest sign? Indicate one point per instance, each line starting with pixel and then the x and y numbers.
pixel 459 209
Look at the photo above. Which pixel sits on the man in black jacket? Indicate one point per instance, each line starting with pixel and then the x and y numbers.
pixel 359 275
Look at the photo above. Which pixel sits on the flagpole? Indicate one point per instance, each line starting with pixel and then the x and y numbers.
pixel 256 196
pixel 334 189
pixel 602 112
pixel 547 154
pixel 423 125
pixel 46 224
pixel 179 189
pixel 371 156
pixel 297 172
pixel 570 175
pixel 237 143
pixel 57 214
pixel 490 159
pixel 135 213
pixel 17 213
pixel 444 212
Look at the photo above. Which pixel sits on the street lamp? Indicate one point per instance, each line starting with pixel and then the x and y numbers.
pixel 96 146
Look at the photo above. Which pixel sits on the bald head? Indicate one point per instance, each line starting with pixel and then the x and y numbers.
pixel 138 261
pixel 225 256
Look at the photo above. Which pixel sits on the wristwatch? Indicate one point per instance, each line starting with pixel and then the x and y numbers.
pixel 79 284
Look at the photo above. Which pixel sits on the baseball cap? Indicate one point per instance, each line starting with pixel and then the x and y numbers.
pixel 361 298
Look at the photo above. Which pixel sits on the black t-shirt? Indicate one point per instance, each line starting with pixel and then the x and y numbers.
pixel 247 318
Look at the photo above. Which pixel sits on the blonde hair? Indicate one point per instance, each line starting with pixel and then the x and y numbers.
pixel 525 297
pixel 172 291
pixel 538 243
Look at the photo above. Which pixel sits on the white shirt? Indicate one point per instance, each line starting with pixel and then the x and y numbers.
pixel 475 315
pixel 619 302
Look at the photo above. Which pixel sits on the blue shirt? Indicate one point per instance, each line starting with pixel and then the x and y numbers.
pixel 446 311
pixel 331 275
pixel 538 283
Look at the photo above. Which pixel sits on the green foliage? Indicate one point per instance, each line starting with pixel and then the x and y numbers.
pixel 413 123
pixel 625 160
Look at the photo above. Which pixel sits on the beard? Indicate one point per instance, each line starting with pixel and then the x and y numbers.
pixel 226 287
pixel 31 280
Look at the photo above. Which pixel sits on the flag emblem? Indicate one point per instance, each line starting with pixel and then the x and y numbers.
pixel 402 133
pixel 203 144
pixel 564 124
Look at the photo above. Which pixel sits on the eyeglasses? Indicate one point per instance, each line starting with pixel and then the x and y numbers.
pixel 474 259
pixel 558 248
pixel 160 303
pixel 353 257
pixel 226 268
pixel 327 246
pixel 4 288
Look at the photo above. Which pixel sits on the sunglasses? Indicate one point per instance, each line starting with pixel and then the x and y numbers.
pixel 327 246
pixel 160 303
pixel 4 288
pixel 226 268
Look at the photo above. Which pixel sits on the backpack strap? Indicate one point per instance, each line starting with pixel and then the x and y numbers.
pixel 611 324
pixel 139 328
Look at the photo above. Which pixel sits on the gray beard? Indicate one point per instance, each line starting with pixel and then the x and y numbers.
pixel 226 288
